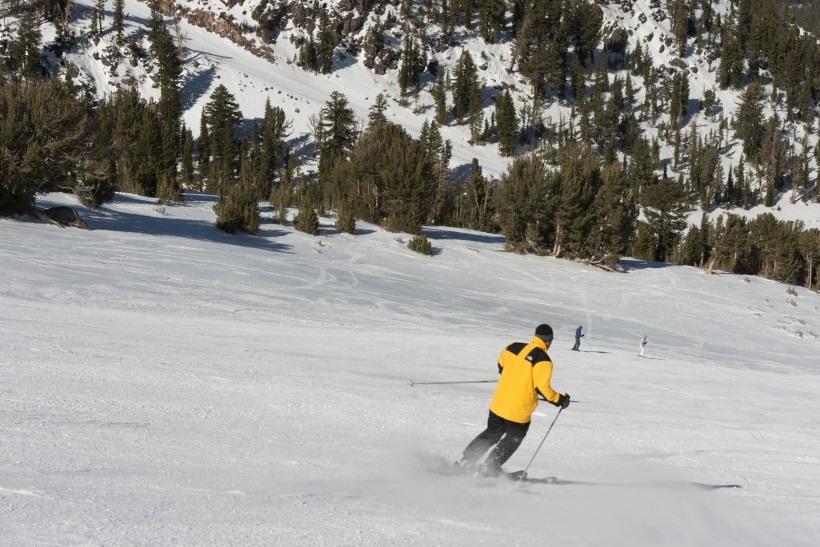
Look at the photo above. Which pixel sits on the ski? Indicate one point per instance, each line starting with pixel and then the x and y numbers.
pixel 522 476
pixel 514 476
pixel 488 479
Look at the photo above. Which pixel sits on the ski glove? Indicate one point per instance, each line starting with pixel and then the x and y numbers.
pixel 563 400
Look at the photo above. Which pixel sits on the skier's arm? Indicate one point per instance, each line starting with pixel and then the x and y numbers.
pixel 541 375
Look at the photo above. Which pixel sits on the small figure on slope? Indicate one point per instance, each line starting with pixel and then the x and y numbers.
pixel 525 370
pixel 578 337
pixel 643 347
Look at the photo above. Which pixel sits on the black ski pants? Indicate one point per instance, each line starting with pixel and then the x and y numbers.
pixel 507 436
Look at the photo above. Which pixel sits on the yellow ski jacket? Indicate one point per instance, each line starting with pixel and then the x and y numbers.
pixel 526 370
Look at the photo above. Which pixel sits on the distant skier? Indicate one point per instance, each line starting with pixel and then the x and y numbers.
pixel 578 337
pixel 525 371
pixel 643 347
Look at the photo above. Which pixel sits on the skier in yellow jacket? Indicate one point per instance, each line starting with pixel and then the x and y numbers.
pixel 525 371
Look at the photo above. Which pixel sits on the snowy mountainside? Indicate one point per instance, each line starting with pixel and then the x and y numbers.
pixel 230 43
pixel 165 382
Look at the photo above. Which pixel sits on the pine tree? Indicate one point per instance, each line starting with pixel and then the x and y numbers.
pixel 491 19
pixel 706 14
pixel 186 174
pixel 809 244
pixel 155 21
pixel 507 124
pixel 119 6
pixel 440 98
pixel 466 82
pixel 732 245
pixel 275 129
pixel 307 220
pixel 614 212
pixel 308 55
pixel 170 105
pixel 377 110
pixel 680 19
pixel 520 202
pixel 346 221
pixel 409 70
pixel 665 209
pixel 421 245
pixel 24 51
pixel 222 117
pixel 395 176
pixel 150 152
pixel 237 210
pixel 773 158
pixel 629 95
pixel 467 8
pixel 479 199
pixel 730 69
pixel 679 101
pixel 801 182
pixel 695 249
pixel 203 152
pixel 749 121
pixel 101 14
pixel 475 110
pixel 327 42
pixel 577 79
pixel 45 138
pixel 337 133
pixel 282 196
pixel 586 21
pixel 572 193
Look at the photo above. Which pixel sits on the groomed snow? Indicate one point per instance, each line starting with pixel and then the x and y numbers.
pixel 165 383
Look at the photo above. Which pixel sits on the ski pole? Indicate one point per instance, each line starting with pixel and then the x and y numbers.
pixel 413 383
pixel 542 442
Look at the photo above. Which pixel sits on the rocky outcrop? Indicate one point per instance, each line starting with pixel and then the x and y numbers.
pixel 615 39
pixel 380 61
pixel 217 24
pixel 679 63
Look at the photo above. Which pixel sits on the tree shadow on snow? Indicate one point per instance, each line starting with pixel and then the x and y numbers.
pixel 142 222
pixel 195 86
pixel 459 173
pixel 342 59
pixel 302 147
pixel 627 264
pixel 477 237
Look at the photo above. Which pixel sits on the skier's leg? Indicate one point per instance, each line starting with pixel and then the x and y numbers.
pixel 577 344
pixel 484 440
pixel 513 437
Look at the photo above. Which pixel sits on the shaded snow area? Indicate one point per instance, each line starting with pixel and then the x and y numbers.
pixel 165 383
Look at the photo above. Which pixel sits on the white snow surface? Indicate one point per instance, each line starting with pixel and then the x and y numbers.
pixel 166 383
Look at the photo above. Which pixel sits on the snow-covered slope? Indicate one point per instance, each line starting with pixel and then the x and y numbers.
pixel 163 382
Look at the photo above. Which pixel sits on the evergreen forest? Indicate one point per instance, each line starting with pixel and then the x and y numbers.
pixel 591 186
